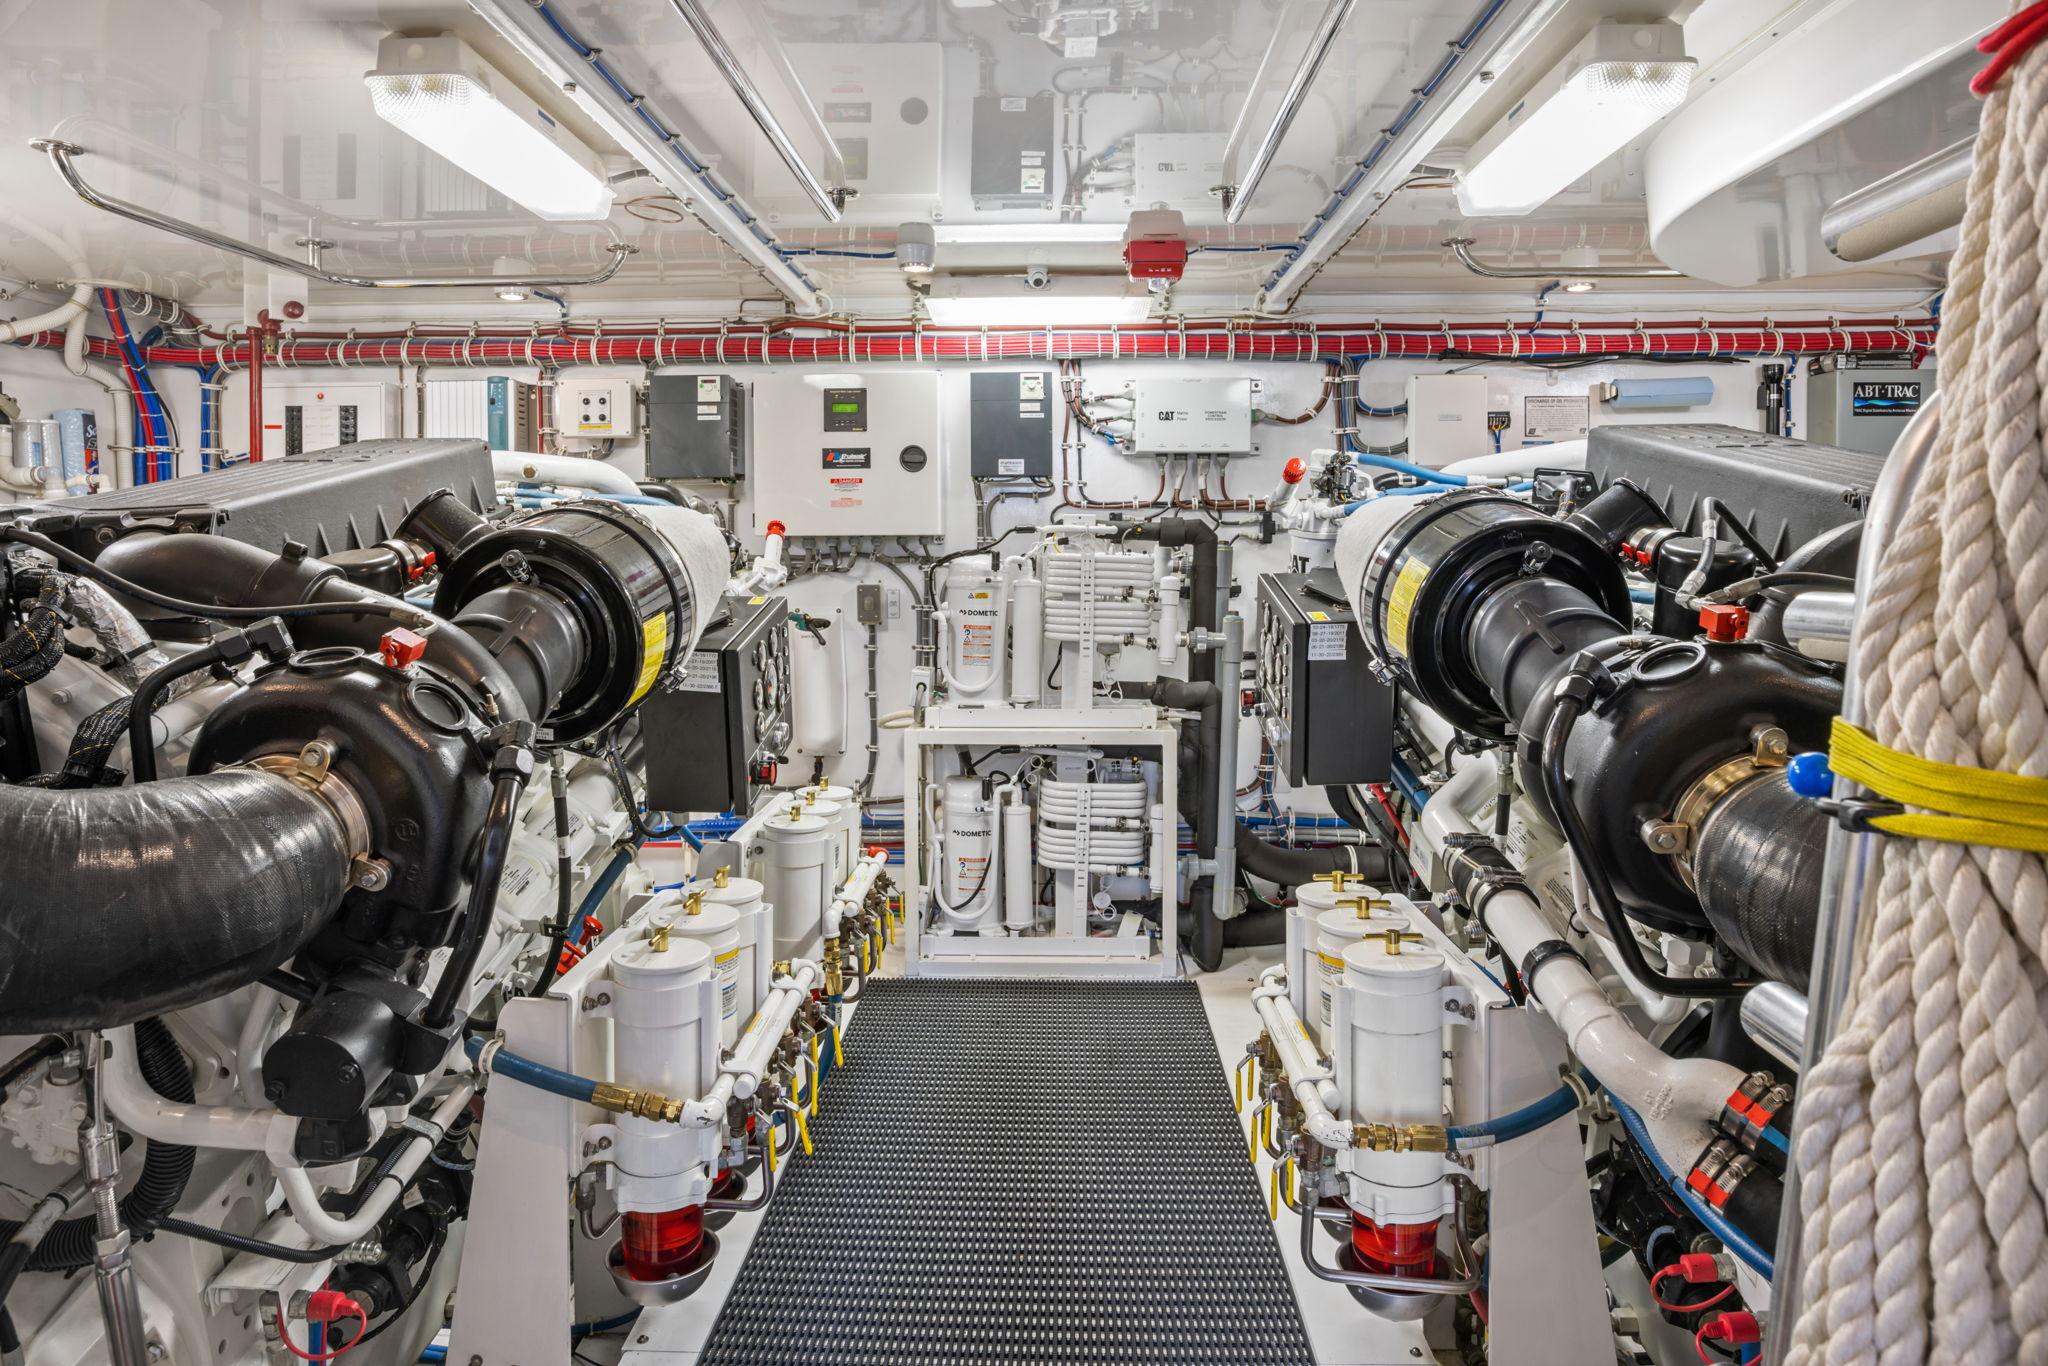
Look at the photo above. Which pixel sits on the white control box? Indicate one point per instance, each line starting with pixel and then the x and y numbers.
pixel 848 454
pixel 1178 171
pixel 595 409
pixel 1191 416
pixel 1447 419
pixel 881 103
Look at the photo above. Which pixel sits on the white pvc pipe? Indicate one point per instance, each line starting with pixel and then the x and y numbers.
pixel 135 1103
pixel 1561 455
pixel 855 890
pixel 566 471
pixel 1311 1080
pixel 326 1228
pixel 740 1075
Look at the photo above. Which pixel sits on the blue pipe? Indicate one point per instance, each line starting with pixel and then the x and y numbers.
pixel 1516 1123
pixel 538 498
pixel 1732 1238
pixel 1410 785
pixel 1399 466
pixel 606 880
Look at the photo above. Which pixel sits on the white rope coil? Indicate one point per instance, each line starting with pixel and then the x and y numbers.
pixel 1922 1136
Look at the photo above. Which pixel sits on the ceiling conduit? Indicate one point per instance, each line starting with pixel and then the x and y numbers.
pixel 532 27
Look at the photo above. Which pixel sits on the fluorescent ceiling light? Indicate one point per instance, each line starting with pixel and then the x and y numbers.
pixel 1617 82
pixel 440 93
pixel 1030 234
pixel 1011 303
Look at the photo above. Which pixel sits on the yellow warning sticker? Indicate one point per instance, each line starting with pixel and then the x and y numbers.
pixel 755 602
pixel 726 957
pixel 1401 601
pixel 1318 616
pixel 653 654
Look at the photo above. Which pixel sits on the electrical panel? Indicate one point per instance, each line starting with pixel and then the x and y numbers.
pixel 1863 408
pixel 1447 419
pixel 1010 424
pixel 849 455
pixel 1013 152
pixel 881 104
pixel 698 427
pixel 1328 719
pixel 591 408
pixel 716 729
pixel 1178 171
pixel 1191 416
pixel 314 417
pixel 503 413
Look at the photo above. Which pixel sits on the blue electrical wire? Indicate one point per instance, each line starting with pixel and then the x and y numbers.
pixel 1732 1238
pixel 837 251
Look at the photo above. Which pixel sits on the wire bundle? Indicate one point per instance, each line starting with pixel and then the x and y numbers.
pixel 1923 1130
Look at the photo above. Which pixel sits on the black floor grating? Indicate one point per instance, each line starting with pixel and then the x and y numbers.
pixel 1018 1172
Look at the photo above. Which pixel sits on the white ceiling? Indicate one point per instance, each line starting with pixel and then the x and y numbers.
pixel 252 119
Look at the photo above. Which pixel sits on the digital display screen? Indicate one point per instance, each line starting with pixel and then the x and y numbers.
pixel 846 410
pixel 846 407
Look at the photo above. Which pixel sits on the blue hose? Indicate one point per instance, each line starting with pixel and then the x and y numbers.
pixel 1732 1238
pixel 1414 471
pixel 1516 1123
pixel 527 1072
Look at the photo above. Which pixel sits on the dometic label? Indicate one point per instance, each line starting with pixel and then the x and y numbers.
pixel 1884 397
pixel 849 457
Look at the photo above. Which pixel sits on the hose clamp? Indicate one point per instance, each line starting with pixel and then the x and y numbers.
pixel 1550 948
pixel 311 770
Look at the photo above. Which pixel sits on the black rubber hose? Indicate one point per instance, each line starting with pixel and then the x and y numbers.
pixel 565 894
pixel 166 1167
pixel 228 573
pixel 125 902
pixel 142 706
pixel 1831 552
pixel 1557 734
pixel 235 1242
pixel 1292 867
pixel 1758 862
pixel 483 900
pixel 663 492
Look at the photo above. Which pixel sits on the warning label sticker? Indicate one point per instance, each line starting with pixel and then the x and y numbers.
pixel 654 634
pixel 1401 602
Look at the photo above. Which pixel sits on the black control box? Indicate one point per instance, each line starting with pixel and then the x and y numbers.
pixel 715 730
pixel 1328 719
pixel 1009 423
pixel 698 427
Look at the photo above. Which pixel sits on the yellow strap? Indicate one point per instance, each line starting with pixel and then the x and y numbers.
pixel 1273 1207
pixel 803 1128
pixel 1962 805
pixel 838 1053
pixel 771 1146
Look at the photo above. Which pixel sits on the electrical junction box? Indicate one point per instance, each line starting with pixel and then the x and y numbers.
pixel 1010 424
pixel 1013 152
pixel 1191 416
pixel 881 103
pixel 1863 408
pixel 1447 419
pixel 698 427
pixel 315 417
pixel 716 729
pixel 1177 171
pixel 503 413
pixel 1328 719
pixel 849 454
pixel 591 408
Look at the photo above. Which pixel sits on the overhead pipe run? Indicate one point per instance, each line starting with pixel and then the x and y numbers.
pixel 1497 35
pixel 1461 247
pixel 1904 207
pixel 1238 197
pixel 61 156
pixel 579 70
pixel 829 201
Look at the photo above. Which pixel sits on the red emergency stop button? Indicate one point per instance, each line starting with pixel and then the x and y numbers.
pixel 764 773
pixel 401 648
pixel 1724 621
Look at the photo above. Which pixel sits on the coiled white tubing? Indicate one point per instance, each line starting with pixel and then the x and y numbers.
pixel 1115 834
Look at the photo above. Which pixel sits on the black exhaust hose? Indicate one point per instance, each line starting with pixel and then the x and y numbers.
pixel 220 572
pixel 126 902
pixel 1757 863
pixel 166 1167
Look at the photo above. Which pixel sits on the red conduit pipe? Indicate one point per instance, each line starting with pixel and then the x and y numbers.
pixel 1196 342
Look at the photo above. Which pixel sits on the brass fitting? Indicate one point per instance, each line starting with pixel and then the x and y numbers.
pixel 722 877
pixel 693 904
pixel 1401 1138
pixel 835 968
pixel 625 1100
pixel 658 941
pixel 1393 939
pixel 1339 879
pixel 1364 906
